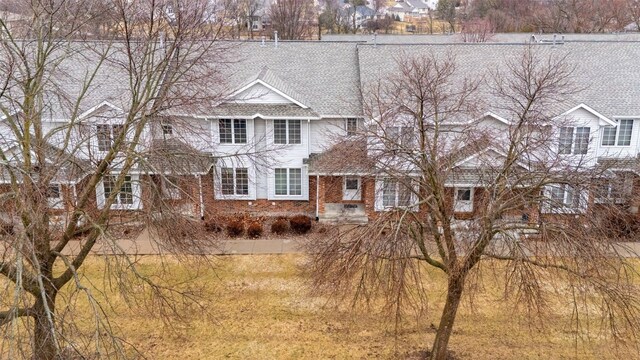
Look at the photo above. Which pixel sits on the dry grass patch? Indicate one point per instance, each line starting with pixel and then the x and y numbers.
pixel 258 307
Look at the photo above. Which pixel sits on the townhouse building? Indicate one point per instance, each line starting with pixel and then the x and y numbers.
pixel 283 138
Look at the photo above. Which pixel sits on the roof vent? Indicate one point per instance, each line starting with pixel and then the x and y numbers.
pixel 263 38
pixel 275 36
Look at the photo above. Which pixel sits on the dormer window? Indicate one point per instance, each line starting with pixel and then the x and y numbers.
pixel 618 135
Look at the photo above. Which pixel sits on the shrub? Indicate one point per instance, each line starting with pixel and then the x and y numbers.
pixel 300 224
pixel 280 226
pixel 622 226
pixel 6 228
pixel 235 227
pixel 212 225
pixel 254 230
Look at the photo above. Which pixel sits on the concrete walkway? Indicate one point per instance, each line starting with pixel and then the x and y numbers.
pixel 143 245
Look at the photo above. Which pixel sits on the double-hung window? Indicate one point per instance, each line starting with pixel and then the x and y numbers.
pixel 574 140
pixel 618 135
pixel 232 131
pixel 107 134
pixel 125 194
pixel 171 187
pixel 54 196
pixel 395 194
pixel 565 196
pixel 234 181
pixel 351 126
pixel 399 137
pixel 616 190
pixel 287 132
pixel 288 182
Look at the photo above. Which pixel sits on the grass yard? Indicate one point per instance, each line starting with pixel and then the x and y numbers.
pixel 260 308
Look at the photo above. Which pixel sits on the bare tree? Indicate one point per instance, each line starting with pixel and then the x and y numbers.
pixel 423 141
pixel 78 119
pixel 476 31
pixel 293 19
pixel 447 12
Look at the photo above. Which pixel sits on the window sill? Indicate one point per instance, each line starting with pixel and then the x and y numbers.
pixel 290 197
pixel 126 206
pixel 566 211
pixel 234 197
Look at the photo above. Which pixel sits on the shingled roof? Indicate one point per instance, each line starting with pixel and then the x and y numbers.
pixel 608 73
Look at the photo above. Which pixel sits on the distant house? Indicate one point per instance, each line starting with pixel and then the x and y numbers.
pixel 258 16
pixel 412 8
pixel 14 21
pixel 362 13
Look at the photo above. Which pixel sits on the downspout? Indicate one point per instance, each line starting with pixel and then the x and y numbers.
pixel 317 197
pixel 201 197
pixel 75 193
pixel 308 137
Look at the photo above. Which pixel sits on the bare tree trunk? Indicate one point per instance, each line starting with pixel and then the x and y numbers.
pixel 454 294
pixel 44 344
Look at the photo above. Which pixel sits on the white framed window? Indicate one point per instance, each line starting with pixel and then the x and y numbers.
pixel 167 129
pixel 125 194
pixel 107 134
pixel 618 135
pixel 574 140
pixel 232 131
pixel 399 136
pixel 171 187
pixel 351 190
pixel 234 181
pixel 463 201
pixel 288 181
pixel 287 132
pixel 564 198
pixel 127 197
pixel 396 194
pixel 614 191
pixel 351 125
pixel 54 196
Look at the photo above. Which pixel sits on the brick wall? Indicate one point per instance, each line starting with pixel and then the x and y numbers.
pixel 215 207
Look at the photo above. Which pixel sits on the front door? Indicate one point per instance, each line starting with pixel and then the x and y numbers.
pixel 351 188
pixel 463 200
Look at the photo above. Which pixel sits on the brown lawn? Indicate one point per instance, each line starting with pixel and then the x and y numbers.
pixel 260 308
